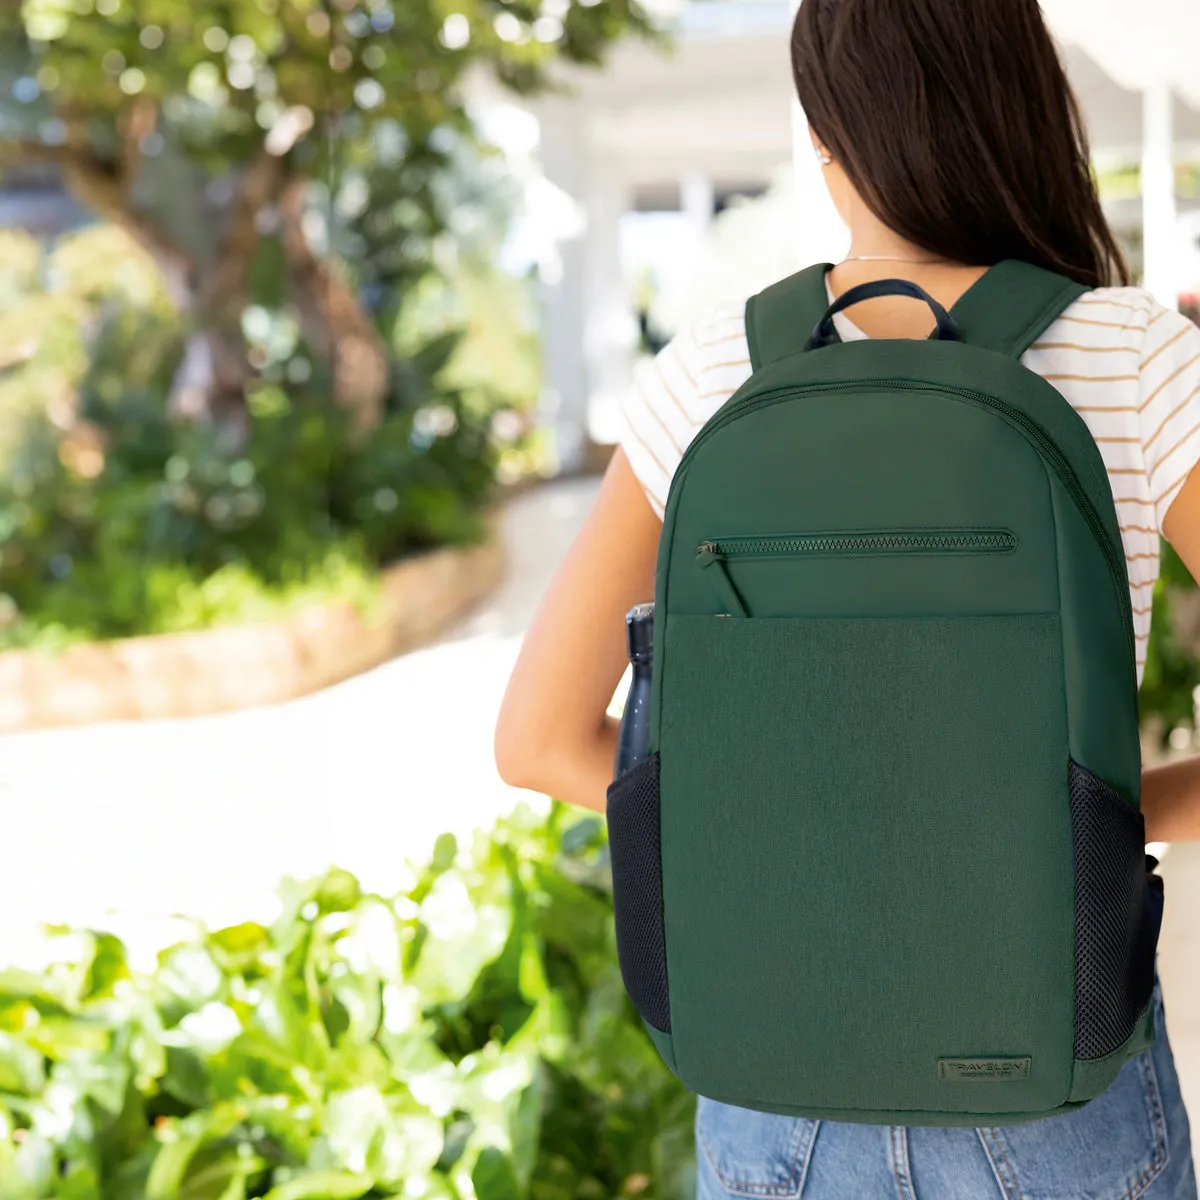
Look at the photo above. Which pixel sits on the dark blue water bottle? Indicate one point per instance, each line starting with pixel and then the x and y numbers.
pixel 634 737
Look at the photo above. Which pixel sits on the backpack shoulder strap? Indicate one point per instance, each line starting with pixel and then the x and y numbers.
pixel 780 319
pixel 1006 310
pixel 1010 307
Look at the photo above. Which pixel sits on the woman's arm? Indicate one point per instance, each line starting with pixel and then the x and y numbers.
pixel 1171 794
pixel 553 734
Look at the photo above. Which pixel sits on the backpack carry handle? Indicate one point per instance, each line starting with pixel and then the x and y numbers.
pixel 825 334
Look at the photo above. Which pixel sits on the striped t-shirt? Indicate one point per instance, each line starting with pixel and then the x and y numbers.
pixel 1128 366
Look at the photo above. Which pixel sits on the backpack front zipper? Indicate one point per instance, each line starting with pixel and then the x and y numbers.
pixel 900 541
pixel 1014 416
pixel 712 556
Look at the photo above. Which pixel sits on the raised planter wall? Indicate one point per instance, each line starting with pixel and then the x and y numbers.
pixel 245 666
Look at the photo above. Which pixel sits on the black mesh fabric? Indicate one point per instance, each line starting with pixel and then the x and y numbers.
pixel 633 843
pixel 1118 909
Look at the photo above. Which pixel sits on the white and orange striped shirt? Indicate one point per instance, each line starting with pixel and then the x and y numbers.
pixel 1128 366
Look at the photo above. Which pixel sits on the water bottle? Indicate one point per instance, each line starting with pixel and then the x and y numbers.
pixel 634 736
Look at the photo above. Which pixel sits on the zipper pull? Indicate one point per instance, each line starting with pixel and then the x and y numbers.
pixel 709 555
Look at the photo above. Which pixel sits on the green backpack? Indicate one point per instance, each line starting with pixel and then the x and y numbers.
pixel 885 861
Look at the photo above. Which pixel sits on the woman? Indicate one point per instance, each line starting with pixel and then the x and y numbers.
pixel 950 141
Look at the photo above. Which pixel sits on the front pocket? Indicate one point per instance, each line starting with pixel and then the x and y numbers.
pixel 866 859
pixel 1118 911
pixel 634 848
pixel 713 556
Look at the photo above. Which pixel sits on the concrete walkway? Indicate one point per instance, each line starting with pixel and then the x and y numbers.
pixel 126 824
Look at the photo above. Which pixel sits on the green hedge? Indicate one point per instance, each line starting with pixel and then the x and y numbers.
pixel 469 1036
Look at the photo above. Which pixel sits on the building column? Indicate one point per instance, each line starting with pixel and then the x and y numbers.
pixel 1160 228
pixel 564 400
pixel 821 235
pixel 698 200
pixel 610 327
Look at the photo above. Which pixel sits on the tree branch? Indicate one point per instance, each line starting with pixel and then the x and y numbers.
pixel 259 186
pixel 29 151
pixel 101 185
pixel 333 319
pixel 137 122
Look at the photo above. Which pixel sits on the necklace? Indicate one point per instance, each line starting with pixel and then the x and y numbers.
pixel 927 262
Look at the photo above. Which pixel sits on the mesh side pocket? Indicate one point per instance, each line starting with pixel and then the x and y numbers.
pixel 1118 910
pixel 634 847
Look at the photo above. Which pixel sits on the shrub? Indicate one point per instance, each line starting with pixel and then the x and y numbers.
pixel 117 519
pixel 468 1037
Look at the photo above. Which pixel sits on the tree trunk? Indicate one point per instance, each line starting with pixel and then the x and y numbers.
pixel 104 193
pixel 213 374
pixel 215 371
pixel 334 322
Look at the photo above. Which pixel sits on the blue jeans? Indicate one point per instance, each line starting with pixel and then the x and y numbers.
pixel 1131 1143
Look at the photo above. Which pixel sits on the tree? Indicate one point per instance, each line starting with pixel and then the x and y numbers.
pixel 205 128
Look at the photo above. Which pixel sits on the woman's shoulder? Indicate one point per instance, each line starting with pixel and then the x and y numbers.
pixel 714 337
pixel 1125 309
pixel 713 356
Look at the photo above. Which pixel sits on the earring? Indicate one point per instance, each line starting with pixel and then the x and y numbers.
pixel 823 156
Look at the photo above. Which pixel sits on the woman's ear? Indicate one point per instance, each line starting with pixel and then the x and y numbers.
pixel 823 155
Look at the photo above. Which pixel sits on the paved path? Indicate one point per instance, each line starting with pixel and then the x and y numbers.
pixel 126 824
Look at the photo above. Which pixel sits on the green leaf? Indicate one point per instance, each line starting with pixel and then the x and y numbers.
pixel 435 355
pixel 236 1190
pixel 584 835
pixel 60 1037
pixel 189 974
pixel 218 1172
pixel 445 850
pixel 103 1078
pixel 239 947
pixel 32 1169
pixel 170 1165
pixel 79 1183
pixel 45 993
pixel 526 1132
pixel 339 891
pixel 532 971
pixel 493 1176
pixel 108 965
pixel 322 1185
pixel 186 1078
pixel 21 1067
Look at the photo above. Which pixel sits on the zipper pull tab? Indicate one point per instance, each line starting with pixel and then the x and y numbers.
pixel 710 555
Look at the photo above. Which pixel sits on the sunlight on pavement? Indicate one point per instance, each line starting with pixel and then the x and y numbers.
pixel 123 825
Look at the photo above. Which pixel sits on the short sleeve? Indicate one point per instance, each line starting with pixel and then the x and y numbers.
pixel 1169 405
pixel 675 393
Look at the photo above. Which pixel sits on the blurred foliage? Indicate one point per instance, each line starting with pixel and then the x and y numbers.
pixel 1121 181
pixel 1172 668
pixel 156 110
pixel 231 67
pixel 467 1038
pixel 116 520
pixel 370 90
pixel 279 178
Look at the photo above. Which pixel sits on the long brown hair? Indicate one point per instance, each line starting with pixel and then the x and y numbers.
pixel 955 122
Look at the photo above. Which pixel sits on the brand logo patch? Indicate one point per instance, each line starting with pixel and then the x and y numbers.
pixel 991 1070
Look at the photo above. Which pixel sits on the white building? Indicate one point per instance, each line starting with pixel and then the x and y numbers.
pixel 715 115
